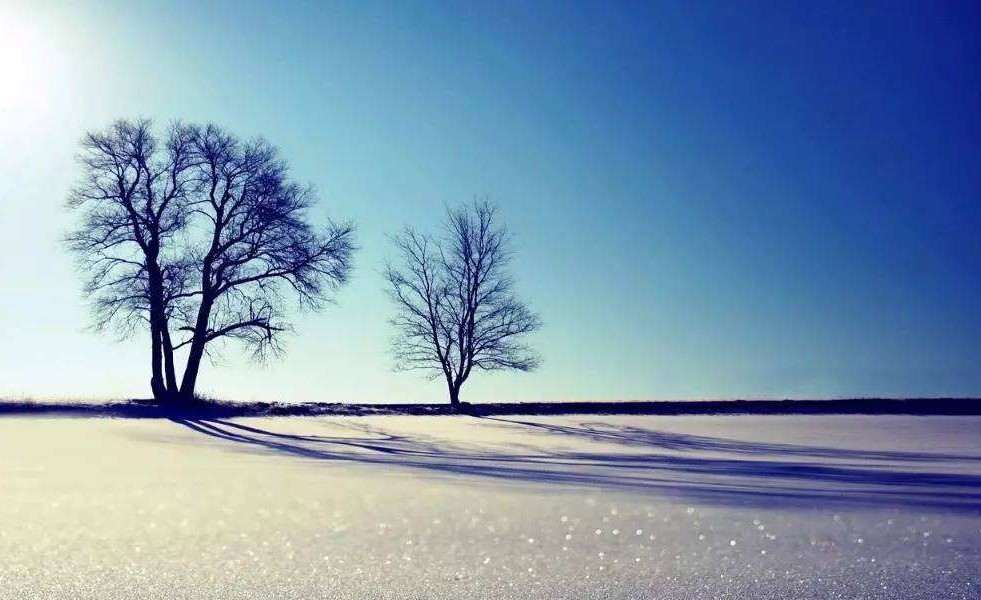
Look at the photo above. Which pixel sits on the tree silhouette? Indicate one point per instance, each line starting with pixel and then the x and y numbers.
pixel 203 237
pixel 455 309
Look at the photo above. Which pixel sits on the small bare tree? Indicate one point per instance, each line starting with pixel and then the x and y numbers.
pixel 203 238
pixel 455 309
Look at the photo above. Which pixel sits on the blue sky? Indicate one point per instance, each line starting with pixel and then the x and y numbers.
pixel 706 200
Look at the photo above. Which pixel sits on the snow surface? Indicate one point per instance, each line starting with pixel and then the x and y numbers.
pixel 496 507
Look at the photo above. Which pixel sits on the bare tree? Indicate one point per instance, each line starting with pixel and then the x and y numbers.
pixel 205 238
pixel 455 309
pixel 257 247
pixel 133 195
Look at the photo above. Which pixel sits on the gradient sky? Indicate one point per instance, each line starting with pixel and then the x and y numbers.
pixel 706 200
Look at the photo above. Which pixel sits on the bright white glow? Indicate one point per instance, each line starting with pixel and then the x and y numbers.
pixel 24 65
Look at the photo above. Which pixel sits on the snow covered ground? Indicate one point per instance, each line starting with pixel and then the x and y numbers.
pixel 495 507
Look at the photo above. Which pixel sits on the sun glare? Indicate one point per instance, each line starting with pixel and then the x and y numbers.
pixel 23 67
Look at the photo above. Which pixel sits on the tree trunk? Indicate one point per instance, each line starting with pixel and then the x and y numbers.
pixel 167 346
pixel 454 395
pixel 197 351
pixel 164 381
pixel 190 379
pixel 162 353
pixel 156 377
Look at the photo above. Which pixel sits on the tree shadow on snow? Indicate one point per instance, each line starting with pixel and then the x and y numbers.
pixel 668 464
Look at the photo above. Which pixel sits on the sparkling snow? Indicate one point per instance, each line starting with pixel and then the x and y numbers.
pixel 504 507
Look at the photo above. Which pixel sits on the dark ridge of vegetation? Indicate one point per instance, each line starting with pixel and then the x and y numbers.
pixel 139 408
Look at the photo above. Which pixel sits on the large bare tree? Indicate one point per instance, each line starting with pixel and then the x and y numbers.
pixel 133 197
pixel 201 238
pixel 455 308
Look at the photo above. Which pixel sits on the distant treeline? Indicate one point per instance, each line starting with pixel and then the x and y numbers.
pixel 217 409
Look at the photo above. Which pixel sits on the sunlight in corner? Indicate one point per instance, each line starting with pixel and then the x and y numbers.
pixel 25 67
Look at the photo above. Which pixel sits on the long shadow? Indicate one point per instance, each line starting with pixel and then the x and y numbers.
pixel 664 440
pixel 742 481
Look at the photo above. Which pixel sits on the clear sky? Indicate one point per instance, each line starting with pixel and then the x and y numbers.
pixel 706 200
